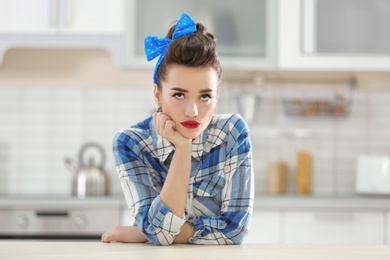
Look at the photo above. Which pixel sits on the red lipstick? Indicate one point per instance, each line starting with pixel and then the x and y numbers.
pixel 190 124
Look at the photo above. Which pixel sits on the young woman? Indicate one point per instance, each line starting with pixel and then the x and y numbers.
pixel 186 173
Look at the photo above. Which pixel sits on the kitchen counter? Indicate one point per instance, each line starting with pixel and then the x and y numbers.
pixel 334 202
pixel 95 250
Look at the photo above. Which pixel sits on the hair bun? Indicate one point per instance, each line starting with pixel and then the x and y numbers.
pixel 200 28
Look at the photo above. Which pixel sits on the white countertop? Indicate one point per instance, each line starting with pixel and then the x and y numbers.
pixel 96 250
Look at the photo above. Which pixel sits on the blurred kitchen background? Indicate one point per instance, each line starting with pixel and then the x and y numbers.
pixel 311 77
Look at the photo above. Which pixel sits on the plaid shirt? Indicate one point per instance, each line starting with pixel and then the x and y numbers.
pixel 221 187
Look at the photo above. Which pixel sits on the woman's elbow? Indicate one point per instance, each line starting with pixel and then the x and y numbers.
pixel 239 239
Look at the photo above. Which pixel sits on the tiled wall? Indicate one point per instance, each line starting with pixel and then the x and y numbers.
pixel 334 142
pixel 39 127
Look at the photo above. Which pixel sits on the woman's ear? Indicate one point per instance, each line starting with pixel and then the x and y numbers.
pixel 157 95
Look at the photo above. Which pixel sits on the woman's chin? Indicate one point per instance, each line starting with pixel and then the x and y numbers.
pixel 191 133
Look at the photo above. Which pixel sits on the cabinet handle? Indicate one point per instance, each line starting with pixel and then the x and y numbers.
pixel 309 28
pixel 53 13
pixel 61 214
pixel 334 216
pixel 64 13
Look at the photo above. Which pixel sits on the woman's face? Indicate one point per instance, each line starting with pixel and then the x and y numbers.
pixel 189 97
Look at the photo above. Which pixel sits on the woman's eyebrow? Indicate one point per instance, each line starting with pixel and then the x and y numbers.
pixel 186 90
pixel 206 90
pixel 180 89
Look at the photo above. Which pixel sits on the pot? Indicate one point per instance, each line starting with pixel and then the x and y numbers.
pixel 89 179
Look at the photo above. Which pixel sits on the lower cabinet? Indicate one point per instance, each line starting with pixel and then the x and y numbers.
pixel 334 227
pixel 387 237
pixel 320 226
pixel 265 227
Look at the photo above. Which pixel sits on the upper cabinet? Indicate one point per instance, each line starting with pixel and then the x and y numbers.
pixel 342 35
pixel 245 30
pixel 322 35
pixel 25 16
pixel 346 27
pixel 63 23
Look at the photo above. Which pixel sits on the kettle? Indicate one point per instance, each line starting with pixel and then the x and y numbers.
pixel 89 179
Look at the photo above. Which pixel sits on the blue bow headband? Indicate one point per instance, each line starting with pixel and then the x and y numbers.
pixel 155 46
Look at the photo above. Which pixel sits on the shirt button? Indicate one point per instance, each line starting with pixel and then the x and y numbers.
pixel 152 228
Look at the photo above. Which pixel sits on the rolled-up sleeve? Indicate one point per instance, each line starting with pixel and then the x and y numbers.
pixel 140 187
pixel 162 224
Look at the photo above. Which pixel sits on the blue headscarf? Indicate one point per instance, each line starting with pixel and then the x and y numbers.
pixel 156 46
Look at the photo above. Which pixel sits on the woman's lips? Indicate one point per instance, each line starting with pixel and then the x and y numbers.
pixel 190 124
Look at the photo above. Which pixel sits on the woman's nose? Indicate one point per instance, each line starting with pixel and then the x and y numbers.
pixel 192 110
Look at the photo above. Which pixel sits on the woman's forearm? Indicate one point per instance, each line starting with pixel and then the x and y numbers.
pixel 174 191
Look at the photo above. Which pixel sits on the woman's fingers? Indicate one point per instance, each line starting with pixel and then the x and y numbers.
pixel 154 119
pixel 169 126
pixel 166 127
pixel 163 124
pixel 106 237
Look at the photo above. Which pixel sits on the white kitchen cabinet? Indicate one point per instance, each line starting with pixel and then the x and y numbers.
pixel 26 16
pixel 334 226
pixel 265 227
pixel 61 16
pixel 93 17
pixel 346 26
pixel 387 231
pixel 245 30
pixel 62 23
pixel 292 29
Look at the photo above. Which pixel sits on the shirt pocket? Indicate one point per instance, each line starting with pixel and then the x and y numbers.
pixel 207 199
pixel 209 186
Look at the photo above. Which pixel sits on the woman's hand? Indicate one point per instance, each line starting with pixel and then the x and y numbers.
pixel 166 127
pixel 124 234
pixel 175 188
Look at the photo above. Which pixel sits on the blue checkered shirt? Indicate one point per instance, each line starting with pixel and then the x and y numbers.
pixel 221 187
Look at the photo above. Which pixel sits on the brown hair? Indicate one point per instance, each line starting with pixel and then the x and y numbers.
pixel 198 49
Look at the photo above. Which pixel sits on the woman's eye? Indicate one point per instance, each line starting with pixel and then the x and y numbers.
pixel 205 97
pixel 179 95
